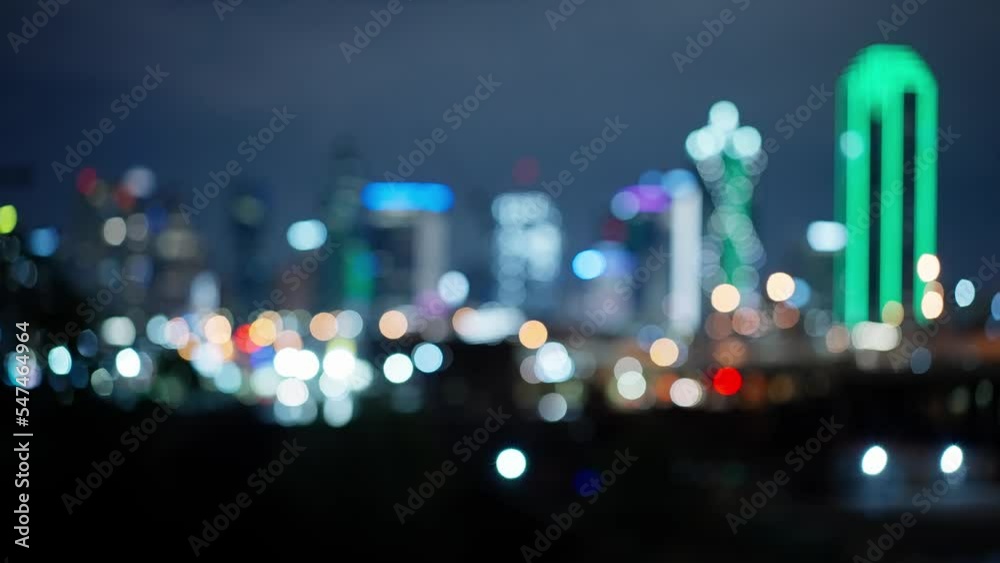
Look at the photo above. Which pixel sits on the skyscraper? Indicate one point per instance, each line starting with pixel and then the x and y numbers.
pixel 874 139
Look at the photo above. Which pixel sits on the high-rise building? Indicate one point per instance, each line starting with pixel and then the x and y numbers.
pixel 407 233
pixel 527 251
pixel 346 282
pixel 887 128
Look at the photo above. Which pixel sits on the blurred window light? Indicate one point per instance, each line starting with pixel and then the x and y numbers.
pixel 292 392
pixel 139 181
pixel 43 242
pixel 218 329
pixel 339 362
pixel 118 331
pixel 114 231
pixel 625 205
pixel 60 361
pixel 852 145
pixel 552 407
pixel 745 142
pixel 349 324
pixel 881 337
pixel 724 116
pixel 703 143
pixel 407 196
pixel 686 392
pixel 264 382
pixel 892 313
pixel 874 461
pixel 553 364
pixel 229 379
pixel 725 298
pixel 397 368
pixel 338 412
pixel 127 363
pixel 532 334
pixel 626 364
pixel 392 324
pixel 589 264
pixel 652 198
pixel 780 287
pixel 920 361
pixel 306 235
pixel 323 326
pixel 428 357
pixel 678 181
pixel 803 293
pixel 826 236
pixel 664 352
pixel 965 293
pixel 932 305
pixel 102 382
pixel 631 385
pixel 453 288
pixel 928 267
pixel 487 325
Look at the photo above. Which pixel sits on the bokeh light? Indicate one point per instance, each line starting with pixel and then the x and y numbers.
pixel 725 298
pixel 511 463
pixel 532 334
pixel 392 324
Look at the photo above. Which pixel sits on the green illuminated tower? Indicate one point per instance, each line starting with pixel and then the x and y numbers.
pixel 872 170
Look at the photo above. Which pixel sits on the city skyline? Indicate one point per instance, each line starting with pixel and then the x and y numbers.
pixel 477 158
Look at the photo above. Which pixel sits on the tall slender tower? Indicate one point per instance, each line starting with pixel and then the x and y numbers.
pixel 730 161
pixel 886 112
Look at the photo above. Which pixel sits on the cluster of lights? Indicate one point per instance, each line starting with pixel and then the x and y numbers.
pixel 729 159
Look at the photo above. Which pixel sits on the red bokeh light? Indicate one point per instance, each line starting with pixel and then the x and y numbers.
pixel 727 381
pixel 526 171
pixel 243 342
pixel 86 181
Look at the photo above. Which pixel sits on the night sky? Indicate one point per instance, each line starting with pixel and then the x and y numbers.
pixel 557 87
